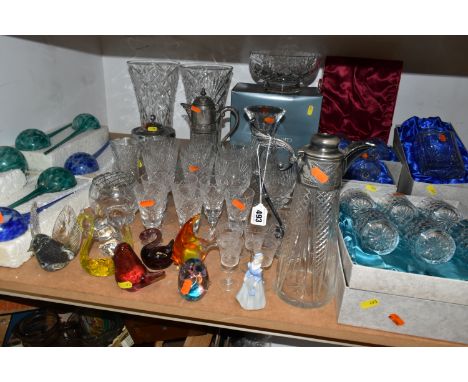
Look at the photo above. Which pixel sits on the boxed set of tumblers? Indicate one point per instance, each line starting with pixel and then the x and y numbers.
pixel 416 270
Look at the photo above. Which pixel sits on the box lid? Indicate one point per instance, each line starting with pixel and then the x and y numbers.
pixel 256 88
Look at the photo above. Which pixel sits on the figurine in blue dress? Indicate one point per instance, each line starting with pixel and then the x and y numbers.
pixel 252 293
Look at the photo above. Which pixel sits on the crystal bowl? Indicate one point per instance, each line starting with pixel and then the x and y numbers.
pixel 284 71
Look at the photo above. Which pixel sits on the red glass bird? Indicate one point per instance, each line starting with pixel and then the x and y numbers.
pixel 130 273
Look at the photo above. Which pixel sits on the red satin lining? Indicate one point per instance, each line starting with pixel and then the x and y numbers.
pixel 359 97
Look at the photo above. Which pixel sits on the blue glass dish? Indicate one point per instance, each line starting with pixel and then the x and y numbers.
pixel 369 170
pixel 381 151
pixel 437 154
pixel 435 133
pixel 12 224
pixel 81 163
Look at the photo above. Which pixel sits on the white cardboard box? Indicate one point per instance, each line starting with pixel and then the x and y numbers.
pixel 421 317
pixel 89 142
pixel 378 188
pixel 403 283
pixel 14 253
pixel 407 185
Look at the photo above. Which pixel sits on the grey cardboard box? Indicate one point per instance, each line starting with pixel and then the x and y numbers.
pixel 421 317
pixel 298 125
pixel 401 283
pixel 407 185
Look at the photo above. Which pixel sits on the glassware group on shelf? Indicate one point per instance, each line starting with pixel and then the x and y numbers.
pixel 209 171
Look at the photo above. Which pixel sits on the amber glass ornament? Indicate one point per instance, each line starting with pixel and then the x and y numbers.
pixel 188 246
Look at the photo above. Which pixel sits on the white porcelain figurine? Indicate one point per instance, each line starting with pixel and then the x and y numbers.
pixel 252 293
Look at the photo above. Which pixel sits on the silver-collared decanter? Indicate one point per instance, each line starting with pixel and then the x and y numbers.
pixel 308 255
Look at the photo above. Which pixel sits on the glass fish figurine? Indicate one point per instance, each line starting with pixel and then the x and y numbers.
pixel 153 255
pixel 130 273
pixel 188 246
pixel 188 253
pixel 50 253
pixel 66 229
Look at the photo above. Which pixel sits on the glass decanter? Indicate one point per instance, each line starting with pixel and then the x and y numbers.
pixel 308 254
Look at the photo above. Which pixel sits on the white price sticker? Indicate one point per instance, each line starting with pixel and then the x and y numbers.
pixel 259 215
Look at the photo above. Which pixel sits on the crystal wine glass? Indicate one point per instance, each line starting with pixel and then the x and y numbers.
pixel 213 199
pixel 152 199
pixel 187 198
pixel 253 237
pixel 230 245
pixel 197 159
pixel 125 151
pixel 239 206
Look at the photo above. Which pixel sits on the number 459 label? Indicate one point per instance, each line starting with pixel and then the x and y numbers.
pixel 259 215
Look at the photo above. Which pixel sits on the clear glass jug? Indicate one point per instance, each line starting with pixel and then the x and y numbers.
pixel 308 255
pixel 205 121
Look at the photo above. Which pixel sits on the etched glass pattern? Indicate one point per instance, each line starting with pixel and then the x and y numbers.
pixel 155 85
pixel 284 71
pixel 215 79
pixel 428 242
pixel 308 255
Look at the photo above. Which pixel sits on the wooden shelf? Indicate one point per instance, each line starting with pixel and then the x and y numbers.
pixel 72 285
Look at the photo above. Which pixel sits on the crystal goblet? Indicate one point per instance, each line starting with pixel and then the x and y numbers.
pixel 239 206
pixel 125 151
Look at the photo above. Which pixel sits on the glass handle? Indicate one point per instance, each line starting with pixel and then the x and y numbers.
pixel 280 228
pixel 59 130
pixel 38 191
pixel 71 136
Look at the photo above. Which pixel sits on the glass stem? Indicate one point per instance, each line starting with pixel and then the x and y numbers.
pixel 228 280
